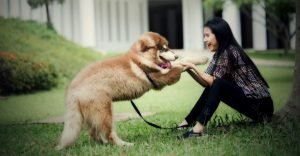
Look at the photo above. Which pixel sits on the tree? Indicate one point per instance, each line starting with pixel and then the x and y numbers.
pixel 39 3
pixel 279 15
pixel 291 110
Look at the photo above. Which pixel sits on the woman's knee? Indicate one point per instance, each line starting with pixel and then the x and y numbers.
pixel 267 106
pixel 216 82
pixel 266 110
pixel 219 84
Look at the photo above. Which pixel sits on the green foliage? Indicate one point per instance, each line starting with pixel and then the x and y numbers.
pixel 272 55
pixel 36 42
pixel 281 7
pixel 38 3
pixel 278 7
pixel 215 4
pixel 21 75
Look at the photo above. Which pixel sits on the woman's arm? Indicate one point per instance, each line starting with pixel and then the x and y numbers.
pixel 198 75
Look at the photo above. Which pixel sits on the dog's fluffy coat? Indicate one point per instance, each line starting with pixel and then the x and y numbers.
pixel 90 95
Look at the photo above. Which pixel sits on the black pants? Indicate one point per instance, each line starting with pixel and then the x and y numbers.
pixel 233 96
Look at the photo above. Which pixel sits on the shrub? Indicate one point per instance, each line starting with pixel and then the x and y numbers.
pixel 19 74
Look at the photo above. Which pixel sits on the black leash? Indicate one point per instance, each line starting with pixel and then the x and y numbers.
pixel 151 81
pixel 150 123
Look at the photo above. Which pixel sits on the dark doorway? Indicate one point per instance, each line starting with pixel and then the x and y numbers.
pixel 246 26
pixel 165 18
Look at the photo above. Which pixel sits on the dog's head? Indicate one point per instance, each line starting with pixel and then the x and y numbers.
pixel 152 50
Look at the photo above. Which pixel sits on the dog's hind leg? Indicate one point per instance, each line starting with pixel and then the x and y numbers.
pixel 96 135
pixel 105 127
pixel 72 126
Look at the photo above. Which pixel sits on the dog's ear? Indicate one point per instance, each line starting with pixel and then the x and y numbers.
pixel 140 46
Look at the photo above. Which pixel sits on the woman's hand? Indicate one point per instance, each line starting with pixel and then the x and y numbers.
pixel 187 65
pixel 199 76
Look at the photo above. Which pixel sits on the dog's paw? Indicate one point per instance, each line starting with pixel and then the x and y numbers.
pixel 164 71
pixel 58 147
pixel 129 144
pixel 124 143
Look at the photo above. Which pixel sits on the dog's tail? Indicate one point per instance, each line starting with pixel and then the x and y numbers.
pixel 72 125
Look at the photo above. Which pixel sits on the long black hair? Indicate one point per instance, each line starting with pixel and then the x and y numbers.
pixel 221 29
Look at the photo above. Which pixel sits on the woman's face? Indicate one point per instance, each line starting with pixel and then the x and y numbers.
pixel 210 40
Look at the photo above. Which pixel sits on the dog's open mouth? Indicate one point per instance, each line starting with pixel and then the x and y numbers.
pixel 166 64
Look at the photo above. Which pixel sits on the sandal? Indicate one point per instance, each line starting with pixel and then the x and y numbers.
pixel 190 134
pixel 183 127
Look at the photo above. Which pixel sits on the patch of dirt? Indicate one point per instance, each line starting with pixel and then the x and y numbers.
pixel 117 117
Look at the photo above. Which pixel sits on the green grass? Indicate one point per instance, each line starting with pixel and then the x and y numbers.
pixel 170 106
pixel 36 42
pixel 238 139
pixel 19 137
pixel 178 98
pixel 273 55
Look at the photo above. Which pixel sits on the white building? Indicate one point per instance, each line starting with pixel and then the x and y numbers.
pixel 113 25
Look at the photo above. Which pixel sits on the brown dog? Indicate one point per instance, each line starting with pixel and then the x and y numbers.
pixel 89 97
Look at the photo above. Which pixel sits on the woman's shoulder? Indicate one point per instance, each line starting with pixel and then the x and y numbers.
pixel 233 48
pixel 234 51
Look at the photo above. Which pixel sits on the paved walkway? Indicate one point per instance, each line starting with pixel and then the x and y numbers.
pixel 117 117
pixel 274 63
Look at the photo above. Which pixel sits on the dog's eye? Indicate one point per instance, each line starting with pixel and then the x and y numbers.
pixel 148 48
pixel 163 48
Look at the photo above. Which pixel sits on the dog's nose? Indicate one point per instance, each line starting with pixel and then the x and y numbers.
pixel 176 56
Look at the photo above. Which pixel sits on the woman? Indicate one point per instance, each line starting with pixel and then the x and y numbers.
pixel 231 77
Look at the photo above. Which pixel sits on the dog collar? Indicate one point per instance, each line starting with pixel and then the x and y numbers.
pixel 152 82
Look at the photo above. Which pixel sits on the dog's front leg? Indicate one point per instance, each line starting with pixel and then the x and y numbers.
pixel 169 78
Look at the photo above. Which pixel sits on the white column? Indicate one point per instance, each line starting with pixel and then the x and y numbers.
pixel 145 15
pixel 67 19
pixel 25 11
pixel 76 21
pixel 4 8
pixel 37 14
pixel 259 27
pixel 292 29
pixel 98 23
pixel 232 15
pixel 14 8
pixel 56 16
pixel 134 20
pixel 87 23
pixel 105 23
pixel 192 24
pixel 123 21
pixel 114 20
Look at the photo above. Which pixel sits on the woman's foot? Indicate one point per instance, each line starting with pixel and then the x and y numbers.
pixel 196 131
pixel 183 124
pixel 190 134
pixel 198 128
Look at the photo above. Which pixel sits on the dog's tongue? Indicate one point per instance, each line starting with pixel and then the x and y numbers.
pixel 165 65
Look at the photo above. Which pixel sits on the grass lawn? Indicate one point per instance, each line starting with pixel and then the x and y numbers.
pixel 234 137
pixel 170 105
pixel 273 55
